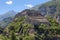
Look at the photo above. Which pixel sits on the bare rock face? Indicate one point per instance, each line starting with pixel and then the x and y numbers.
pixel 28 12
pixel 32 16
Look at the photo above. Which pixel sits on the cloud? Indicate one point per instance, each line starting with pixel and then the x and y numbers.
pixel 28 5
pixel 9 2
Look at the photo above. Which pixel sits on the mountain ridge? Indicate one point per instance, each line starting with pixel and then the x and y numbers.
pixel 7 18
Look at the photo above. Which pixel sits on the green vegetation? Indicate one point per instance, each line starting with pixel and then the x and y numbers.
pixel 41 32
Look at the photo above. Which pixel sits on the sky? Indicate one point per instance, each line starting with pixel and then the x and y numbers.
pixel 18 5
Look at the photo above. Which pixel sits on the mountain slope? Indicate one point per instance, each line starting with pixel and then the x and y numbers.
pixel 24 25
pixel 49 8
pixel 8 14
pixel 32 16
pixel 6 18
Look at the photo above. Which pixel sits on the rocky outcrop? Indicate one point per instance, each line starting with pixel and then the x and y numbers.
pixel 33 17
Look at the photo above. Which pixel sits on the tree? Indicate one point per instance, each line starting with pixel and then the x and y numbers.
pixel 13 36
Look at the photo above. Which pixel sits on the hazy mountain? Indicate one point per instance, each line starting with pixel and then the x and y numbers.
pixel 6 18
pixel 49 8
pixel 8 14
